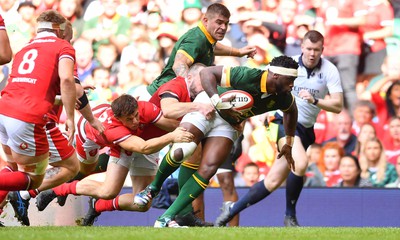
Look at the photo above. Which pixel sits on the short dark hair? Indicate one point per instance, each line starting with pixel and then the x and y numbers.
pixel 218 9
pixel 366 103
pixel 124 105
pixel 284 61
pixel 314 36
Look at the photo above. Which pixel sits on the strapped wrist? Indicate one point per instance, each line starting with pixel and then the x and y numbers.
pixel 290 140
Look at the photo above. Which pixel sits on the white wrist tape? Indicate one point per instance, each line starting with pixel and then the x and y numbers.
pixel 216 101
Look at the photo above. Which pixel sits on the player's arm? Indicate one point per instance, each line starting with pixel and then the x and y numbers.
pixel 210 77
pixel 223 50
pixel 139 145
pixel 174 109
pixel 5 48
pixel 85 110
pixel 68 92
pixel 167 124
pixel 182 63
pixel 333 104
pixel 289 124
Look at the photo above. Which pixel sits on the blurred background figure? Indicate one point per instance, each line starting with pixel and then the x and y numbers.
pixel 250 174
pixel 328 164
pixel 391 141
pixel 395 184
pixel 375 166
pixel 350 173
pixel 314 177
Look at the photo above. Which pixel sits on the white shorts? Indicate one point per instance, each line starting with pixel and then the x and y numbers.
pixel 217 127
pixel 23 138
pixel 138 164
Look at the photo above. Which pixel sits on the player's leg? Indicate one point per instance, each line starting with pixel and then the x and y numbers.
pixel 295 182
pixel 192 214
pixel 178 153
pixel 229 194
pixel 275 177
pixel 215 151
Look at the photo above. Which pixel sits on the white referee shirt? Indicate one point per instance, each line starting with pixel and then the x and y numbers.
pixel 320 81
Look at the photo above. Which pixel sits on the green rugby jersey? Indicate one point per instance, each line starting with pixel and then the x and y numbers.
pixel 197 44
pixel 254 81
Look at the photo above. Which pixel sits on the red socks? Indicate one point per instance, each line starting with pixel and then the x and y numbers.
pixel 14 181
pixel 66 188
pixel 107 205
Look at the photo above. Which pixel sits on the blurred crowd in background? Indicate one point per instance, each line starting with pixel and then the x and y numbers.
pixel 122 46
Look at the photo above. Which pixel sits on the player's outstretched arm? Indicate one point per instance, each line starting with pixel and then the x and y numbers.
pixel 139 145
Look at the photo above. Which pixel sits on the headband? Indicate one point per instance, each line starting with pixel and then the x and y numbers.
pixel 283 71
pixel 50 25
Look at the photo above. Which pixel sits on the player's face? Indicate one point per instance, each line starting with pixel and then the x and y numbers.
pixel 217 26
pixel 284 84
pixel 131 121
pixel 311 53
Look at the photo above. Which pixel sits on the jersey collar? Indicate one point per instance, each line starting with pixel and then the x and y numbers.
pixel 45 34
pixel 208 36
pixel 309 70
pixel 263 83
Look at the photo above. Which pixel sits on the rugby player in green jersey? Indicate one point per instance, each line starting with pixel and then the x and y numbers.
pixel 270 90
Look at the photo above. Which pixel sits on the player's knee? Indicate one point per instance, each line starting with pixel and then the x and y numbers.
pixel 182 151
pixel 107 195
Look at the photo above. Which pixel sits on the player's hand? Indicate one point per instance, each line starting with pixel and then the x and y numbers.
pixel 207 110
pixel 96 124
pixel 287 152
pixel 250 51
pixel 70 128
pixel 180 134
pixel 306 96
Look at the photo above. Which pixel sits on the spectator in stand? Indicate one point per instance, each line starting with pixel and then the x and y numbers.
pixel 395 184
pixel 72 11
pixel 191 15
pixel 84 60
pixel 107 58
pixel 314 177
pixel 364 112
pixel 391 140
pixel 44 5
pixel 104 91
pixel 378 26
pixel 265 50
pixel 8 10
pixel 153 21
pixel 130 79
pixel 340 25
pixel 109 27
pixel 344 135
pixel 386 107
pixel 167 38
pixel 367 131
pixel 5 48
pixel 375 166
pixel 250 174
pixel 22 31
pixel 350 173
pixel 331 154
pixel 135 11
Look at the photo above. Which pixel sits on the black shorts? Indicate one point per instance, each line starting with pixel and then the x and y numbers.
pixel 306 135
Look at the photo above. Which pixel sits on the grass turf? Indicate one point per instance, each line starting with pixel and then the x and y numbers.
pixel 149 233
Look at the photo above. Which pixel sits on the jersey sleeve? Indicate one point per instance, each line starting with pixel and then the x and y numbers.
pixel 149 112
pixel 191 48
pixel 67 51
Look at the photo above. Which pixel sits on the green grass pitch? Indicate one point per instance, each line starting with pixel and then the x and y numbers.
pixel 242 233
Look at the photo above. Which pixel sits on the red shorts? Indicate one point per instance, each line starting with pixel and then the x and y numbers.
pixel 58 144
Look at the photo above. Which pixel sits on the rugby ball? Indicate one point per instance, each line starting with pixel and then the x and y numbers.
pixel 243 100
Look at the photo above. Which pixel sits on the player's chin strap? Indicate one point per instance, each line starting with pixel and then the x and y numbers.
pixel 216 101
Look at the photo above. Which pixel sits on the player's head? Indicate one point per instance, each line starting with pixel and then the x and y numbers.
pixel 51 21
pixel 282 72
pixel 312 48
pixel 216 20
pixel 68 32
pixel 193 79
pixel 125 109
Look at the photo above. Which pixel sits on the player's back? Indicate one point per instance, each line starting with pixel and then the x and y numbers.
pixel 34 80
